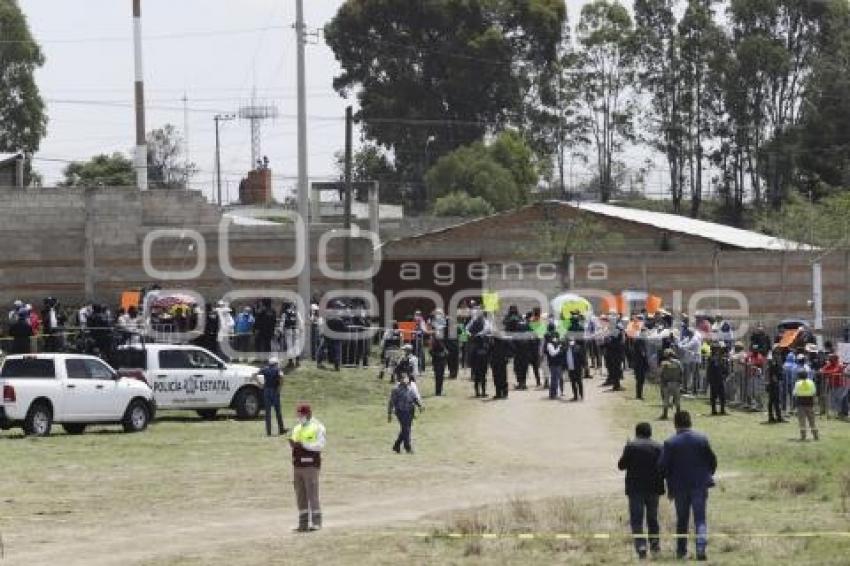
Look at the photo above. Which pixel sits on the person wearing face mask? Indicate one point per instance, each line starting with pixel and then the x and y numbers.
pixel 307 442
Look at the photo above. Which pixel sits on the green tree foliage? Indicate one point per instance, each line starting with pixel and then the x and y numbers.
pixel 114 170
pixel 442 70
pixel 823 223
pixel 774 47
pixel 605 72
pixel 501 173
pixel 461 204
pixel 23 122
pixel 371 163
pixel 818 149
pixel 166 167
pixel 656 48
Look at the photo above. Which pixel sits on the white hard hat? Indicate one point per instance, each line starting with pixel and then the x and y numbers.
pixel 273 361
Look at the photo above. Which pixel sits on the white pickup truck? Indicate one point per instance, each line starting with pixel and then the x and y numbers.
pixel 72 390
pixel 192 378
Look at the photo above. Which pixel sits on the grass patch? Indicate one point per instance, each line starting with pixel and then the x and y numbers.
pixel 183 466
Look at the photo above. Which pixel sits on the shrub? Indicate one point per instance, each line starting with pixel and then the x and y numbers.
pixel 461 204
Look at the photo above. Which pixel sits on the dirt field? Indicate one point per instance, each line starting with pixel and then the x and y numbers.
pixel 188 488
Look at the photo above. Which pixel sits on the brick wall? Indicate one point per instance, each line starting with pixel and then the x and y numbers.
pixel 775 284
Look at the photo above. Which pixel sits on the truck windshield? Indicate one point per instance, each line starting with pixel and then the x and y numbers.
pixel 32 368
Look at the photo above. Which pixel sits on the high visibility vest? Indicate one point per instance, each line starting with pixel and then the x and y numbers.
pixel 490 301
pixel 805 388
pixel 306 433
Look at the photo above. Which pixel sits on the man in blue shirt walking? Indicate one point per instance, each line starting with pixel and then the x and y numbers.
pixel 688 463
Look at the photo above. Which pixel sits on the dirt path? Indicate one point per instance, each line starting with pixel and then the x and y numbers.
pixel 526 447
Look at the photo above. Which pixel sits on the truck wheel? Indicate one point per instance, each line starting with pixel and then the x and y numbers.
pixel 74 428
pixel 136 418
pixel 207 414
pixel 247 403
pixel 39 419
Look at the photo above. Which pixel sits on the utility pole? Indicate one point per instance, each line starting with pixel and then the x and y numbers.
pixel 349 119
pixel 304 279
pixel 141 157
pixel 186 160
pixel 218 118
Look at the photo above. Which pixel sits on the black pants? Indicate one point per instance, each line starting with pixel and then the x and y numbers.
pixel 439 363
pixel 500 379
pixel 362 352
pixel 640 379
pixel 594 354
pixel 452 358
pixel 615 373
pixel 521 371
pixel 263 342
pixel 774 408
pixel 576 383
pixel 405 421
pixel 717 393
pixel 535 367
pixel 641 505
pixel 478 363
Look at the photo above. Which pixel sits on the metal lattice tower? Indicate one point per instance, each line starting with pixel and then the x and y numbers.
pixel 255 114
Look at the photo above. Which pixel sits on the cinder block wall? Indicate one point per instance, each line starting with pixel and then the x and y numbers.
pixel 45 235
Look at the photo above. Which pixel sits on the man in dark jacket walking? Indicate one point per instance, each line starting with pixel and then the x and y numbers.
pixel 643 486
pixel 689 464
pixel 403 402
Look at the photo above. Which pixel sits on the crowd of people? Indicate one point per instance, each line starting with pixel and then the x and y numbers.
pixel 99 329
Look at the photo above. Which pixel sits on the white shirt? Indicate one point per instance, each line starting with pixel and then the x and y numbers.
pixel 413 387
pixel 319 445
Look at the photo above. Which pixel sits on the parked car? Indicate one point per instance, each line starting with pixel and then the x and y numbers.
pixel 73 390
pixel 191 378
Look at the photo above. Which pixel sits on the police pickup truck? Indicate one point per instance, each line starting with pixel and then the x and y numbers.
pixel 192 378
pixel 72 390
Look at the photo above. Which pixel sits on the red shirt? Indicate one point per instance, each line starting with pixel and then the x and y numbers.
pixel 834 373
pixel 756 361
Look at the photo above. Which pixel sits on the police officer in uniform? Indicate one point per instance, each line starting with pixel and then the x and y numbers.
pixel 439 353
pixel 500 353
pixel 614 356
pixel 523 343
pixel 335 328
pixel 479 350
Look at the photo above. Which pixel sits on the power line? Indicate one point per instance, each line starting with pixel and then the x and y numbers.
pixel 153 37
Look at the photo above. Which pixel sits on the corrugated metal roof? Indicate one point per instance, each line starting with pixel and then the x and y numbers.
pixel 4 157
pixel 719 233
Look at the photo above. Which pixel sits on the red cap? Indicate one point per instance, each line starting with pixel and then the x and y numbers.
pixel 304 409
